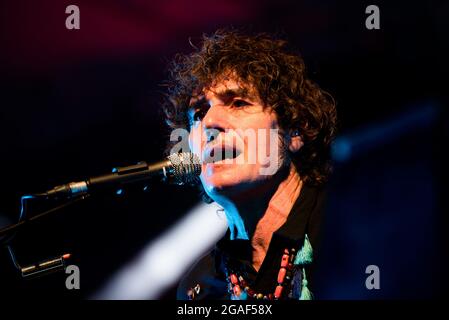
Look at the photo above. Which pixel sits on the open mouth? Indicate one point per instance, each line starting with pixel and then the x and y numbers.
pixel 219 153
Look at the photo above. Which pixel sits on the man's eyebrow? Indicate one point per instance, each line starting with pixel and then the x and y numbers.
pixel 224 95
pixel 231 93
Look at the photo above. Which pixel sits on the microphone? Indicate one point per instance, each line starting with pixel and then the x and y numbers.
pixel 179 168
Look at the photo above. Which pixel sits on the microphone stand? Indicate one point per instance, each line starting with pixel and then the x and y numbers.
pixel 8 233
pixel 14 227
pixel 181 168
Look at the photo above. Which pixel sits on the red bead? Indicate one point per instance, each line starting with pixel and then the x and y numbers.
pixel 234 279
pixel 284 261
pixel 278 292
pixel 237 290
pixel 281 275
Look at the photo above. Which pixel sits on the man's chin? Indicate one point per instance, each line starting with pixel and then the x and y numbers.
pixel 221 187
pixel 227 188
pixel 217 188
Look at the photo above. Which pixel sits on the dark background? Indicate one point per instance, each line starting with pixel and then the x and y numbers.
pixel 75 103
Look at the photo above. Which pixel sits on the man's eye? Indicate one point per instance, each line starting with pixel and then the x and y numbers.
pixel 239 103
pixel 199 115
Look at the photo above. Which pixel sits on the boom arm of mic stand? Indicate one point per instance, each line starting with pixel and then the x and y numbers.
pixel 7 234
pixel 7 231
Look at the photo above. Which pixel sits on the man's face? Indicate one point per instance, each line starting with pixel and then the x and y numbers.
pixel 235 136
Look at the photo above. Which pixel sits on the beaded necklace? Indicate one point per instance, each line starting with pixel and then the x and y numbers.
pixel 291 273
pixel 240 290
pixel 292 269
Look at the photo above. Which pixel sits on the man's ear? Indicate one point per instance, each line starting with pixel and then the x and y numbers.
pixel 295 141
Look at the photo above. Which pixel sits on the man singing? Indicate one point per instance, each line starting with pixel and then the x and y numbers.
pixel 263 131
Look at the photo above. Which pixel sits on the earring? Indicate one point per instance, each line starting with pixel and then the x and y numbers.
pixel 295 133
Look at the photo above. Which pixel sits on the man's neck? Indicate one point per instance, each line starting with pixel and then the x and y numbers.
pixel 259 218
pixel 275 216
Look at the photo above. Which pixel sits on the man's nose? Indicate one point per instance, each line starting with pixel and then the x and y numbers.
pixel 215 120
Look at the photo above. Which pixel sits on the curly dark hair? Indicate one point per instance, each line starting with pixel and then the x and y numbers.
pixel 279 76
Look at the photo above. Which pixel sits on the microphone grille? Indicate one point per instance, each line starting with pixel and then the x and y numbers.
pixel 186 167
